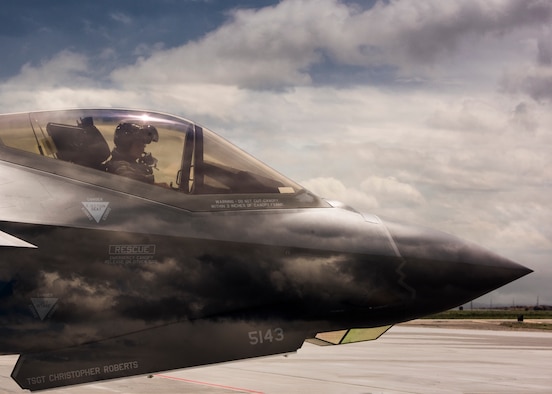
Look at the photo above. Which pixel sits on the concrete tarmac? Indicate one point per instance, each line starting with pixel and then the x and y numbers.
pixel 407 359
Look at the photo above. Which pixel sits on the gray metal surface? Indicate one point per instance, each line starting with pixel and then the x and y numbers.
pixel 104 276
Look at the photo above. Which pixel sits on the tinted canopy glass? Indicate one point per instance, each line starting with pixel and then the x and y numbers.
pixel 149 147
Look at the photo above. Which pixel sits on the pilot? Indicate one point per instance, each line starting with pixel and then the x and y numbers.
pixel 129 158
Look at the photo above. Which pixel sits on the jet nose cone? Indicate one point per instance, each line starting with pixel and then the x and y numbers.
pixel 446 271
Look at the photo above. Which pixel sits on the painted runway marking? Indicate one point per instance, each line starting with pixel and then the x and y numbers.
pixel 209 384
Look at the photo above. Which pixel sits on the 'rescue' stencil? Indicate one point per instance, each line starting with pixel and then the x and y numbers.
pixel 131 254
pixel 96 209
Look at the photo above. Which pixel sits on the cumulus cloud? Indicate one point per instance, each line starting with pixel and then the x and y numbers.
pixel 535 82
pixel 63 67
pixel 429 29
pixel 523 118
pixel 391 190
pixel 333 189
pixel 276 46
pixel 455 136
pixel 522 234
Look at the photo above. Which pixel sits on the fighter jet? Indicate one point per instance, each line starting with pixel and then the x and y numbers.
pixel 115 262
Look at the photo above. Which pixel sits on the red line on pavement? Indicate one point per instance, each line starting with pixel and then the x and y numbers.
pixel 209 384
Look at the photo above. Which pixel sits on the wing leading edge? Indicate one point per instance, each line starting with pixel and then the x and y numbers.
pixel 11 241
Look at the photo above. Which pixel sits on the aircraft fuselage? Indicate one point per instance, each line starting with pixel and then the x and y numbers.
pixel 118 277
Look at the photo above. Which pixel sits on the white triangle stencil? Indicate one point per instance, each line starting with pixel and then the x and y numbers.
pixel 43 306
pixel 96 209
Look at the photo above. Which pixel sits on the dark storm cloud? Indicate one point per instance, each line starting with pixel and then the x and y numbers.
pixel 426 36
pixel 536 82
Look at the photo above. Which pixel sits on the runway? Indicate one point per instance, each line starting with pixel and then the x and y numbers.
pixel 407 359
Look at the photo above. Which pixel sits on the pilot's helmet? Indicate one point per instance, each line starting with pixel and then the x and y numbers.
pixel 127 133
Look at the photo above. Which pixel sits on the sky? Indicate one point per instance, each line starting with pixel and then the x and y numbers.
pixel 430 112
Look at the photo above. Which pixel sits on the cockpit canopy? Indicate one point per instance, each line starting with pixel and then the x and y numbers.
pixel 187 157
